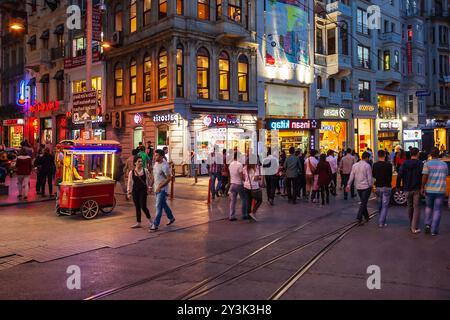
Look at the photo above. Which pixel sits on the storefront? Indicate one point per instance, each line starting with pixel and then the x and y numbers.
pixel 388 134
pixel 364 124
pixel 297 133
pixel 334 128
pixel 439 131
pixel 223 131
pixel 47 130
pixel 13 132
pixel 412 138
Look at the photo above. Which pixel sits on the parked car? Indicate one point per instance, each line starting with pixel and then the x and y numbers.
pixel 399 197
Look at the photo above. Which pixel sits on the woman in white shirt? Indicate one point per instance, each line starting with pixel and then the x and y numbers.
pixel 139 183
pixel 252 189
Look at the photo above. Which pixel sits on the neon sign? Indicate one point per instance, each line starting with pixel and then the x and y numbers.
pixel 21 98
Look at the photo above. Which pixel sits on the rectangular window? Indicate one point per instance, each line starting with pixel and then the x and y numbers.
pixel 441 95
pixel 118 75
pixel 78 47
pixel 396 61
pixel 364 57
pixel 331 36
pixel 133 20
pixel 434 66
pixel 147 11
pixel 45 92
pixel 133 84
pixel 118 21
pixel 147 79
pixel 234 10
pixel 162 9
pixel 180 7
pixel 180 73
pixel 364 91
pixel 218 9
pixel 411 104
pixel 319 41
pixel 332 84
pixel 361 22
pixel 203 9
pixel 387 60
pixel 60 90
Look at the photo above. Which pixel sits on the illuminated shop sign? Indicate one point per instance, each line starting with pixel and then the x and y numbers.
pixel 165 118
pixel 289 124
pixel 365 110
pixel 335 113
pixel 13 122
pixel 389 125
pixel 138 118
pixel 21 95
pixel 411 135
pixel 220 121
pixel 45 106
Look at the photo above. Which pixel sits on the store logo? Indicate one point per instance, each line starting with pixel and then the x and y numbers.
pixel 389 125
pixel 21 98
pixel 45 106
pixel 409 135
pixel 286 124
pixel 228 120
pixel 334 113
pixel 207 120
pixel 165 118
pixel 138 118
pixel 367 108
pixel 279 125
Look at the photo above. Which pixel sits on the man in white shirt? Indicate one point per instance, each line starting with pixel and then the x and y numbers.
pixel 333 164
pixel 236 188
pixel 362 176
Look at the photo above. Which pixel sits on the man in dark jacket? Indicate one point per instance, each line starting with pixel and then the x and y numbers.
pixel 293 169
pixel 410 174
pixel 48 169
pixel 382 172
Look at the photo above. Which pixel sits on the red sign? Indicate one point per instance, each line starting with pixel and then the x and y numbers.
pixel 12 122
pixel 80 61
pixel 45 106
pixel 409 56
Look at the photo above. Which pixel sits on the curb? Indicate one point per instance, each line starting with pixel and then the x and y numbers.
pixel 10 204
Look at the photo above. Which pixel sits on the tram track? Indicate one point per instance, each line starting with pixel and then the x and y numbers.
pixel 288 231
pixel 196 291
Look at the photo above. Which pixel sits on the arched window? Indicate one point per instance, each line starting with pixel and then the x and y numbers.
pixel 319 82
pixel 243 78
pixel 180 71
pixel 234 10
pixel 224 76
pixel 203 9
pixel 203 73
pixel 180 7
pixel 147 78
pixel 162 9
pixel 118 81
pixel 133 81
pixel 133 19
pixel 147 11
pixel 118 16
pixel 162 74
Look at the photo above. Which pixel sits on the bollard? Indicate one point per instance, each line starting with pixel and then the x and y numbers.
pixel 209 190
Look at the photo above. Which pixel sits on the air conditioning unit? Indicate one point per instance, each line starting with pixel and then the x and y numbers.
pixel 117 38
pixel 117 120
pixel 107 117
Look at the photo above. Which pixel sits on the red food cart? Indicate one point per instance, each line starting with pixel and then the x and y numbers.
pixel 86 169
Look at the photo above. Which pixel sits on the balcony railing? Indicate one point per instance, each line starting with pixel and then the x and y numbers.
pixel 391 37
pixel 322 93
pixel 346 96
pixel 339 6
pixel 58 53
pixel 320 59
pixel 335 98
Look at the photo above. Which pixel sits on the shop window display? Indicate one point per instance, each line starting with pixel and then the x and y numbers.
pixel 363 134
pixel 440 139
pixel 333 136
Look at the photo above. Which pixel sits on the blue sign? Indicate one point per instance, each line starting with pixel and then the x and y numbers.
pixel 423 93
pixel 293 124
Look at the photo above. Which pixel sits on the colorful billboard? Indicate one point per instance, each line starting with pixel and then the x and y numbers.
pixel 287 33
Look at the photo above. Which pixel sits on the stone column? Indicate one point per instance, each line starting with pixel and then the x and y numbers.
pixel 213 73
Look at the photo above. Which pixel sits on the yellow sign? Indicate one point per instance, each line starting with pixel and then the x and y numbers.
pixel 364 107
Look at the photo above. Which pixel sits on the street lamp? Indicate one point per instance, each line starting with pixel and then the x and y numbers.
pixel 17 26
pixel 106 45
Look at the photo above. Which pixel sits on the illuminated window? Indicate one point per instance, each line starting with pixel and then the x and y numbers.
pixel 180 72
pixel 387 60
pixel 203 73
pixel 147 78
pixel 234 10
pixel 218 9
pixel 162 9
pixel 162 74
pixel 180 7
pixel 133 81
pixel 224 76
pixel 364 57
pixel 396 60
pixel 147 11
pixel 203 9
pixel 118 81
pixel 243 78
pixel 387 107
pixel 364 91
pixel 133 20
pixel 118 19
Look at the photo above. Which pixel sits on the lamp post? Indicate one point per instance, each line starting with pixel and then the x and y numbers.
pixel 88 123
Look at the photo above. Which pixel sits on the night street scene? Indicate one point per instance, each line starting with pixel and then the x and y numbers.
pixel 224 154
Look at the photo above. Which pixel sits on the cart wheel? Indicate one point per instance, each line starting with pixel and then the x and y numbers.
pixel 89 209
pixel 58 212
pixel 109 209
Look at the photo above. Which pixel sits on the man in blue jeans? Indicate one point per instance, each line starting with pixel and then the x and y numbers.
pixel 215 163
pixel 433 187
pixel 382 172
pixel 162 177
pixel 361 175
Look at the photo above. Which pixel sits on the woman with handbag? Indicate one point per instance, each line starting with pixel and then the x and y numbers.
pixel 252 188
pixel 139 183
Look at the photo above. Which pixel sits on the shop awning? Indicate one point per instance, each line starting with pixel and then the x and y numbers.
pixel 32 40
pixel 45 35
pixel 45 78
pixel 59 75
pixel 59 29
pixel 31 82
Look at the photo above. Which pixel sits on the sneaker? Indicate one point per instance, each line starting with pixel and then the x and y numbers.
pixel 153 228
pixel 233 219
pixel 415 230
pixel 170 222
pixel 382 225
pixel 427 229
pixel 136 226
pixel 253 217
pixel 434 234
